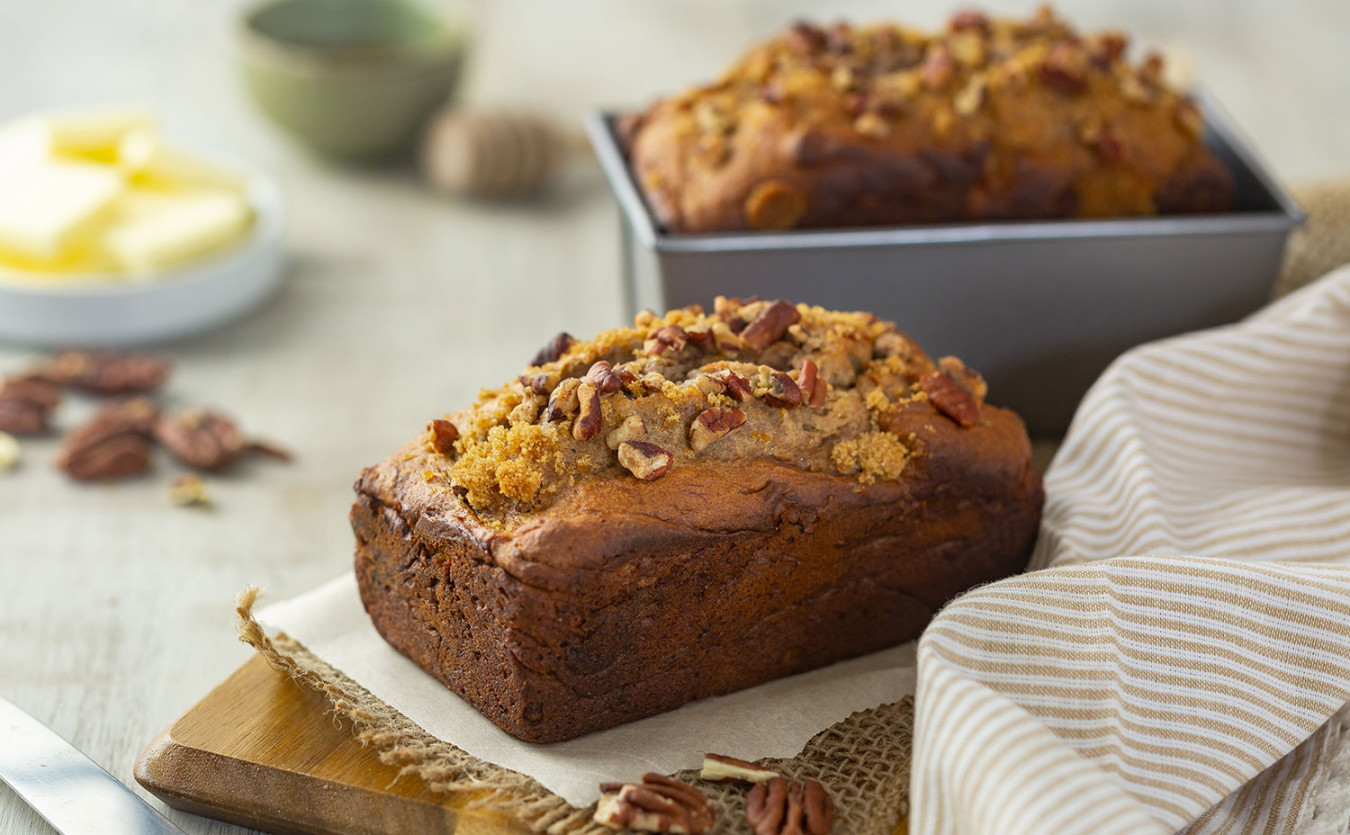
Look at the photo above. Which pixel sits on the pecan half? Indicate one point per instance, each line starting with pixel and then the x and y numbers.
pixel 553 351
pixel 563 402
pixel 604 378
pixel 783 393
pixel 951 398
pixel 645 460
pixel 632 429
pixel 112 444
pixel 25 404
pixel 657 804
pixel 589 417
pixel 814 389
pixel 779 807
pixel 720 769
pixel 206 440
pixel 665 338
pixel 969 378
pixel 443 435
pixel 770 325
pixel 106 372
pixel 32 389
pixel 713 425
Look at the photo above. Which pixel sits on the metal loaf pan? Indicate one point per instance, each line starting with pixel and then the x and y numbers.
pixel 1040 308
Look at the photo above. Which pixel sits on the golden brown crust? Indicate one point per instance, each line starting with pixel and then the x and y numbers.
pixel 873 125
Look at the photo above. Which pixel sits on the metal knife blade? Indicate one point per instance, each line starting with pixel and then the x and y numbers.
pixel 67 788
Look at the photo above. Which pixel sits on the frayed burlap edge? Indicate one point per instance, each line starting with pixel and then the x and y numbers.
pixel 862 761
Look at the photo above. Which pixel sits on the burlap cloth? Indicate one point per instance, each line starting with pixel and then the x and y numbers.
pixel 863 760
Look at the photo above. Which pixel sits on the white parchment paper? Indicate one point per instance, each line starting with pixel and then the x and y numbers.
pixel 773 720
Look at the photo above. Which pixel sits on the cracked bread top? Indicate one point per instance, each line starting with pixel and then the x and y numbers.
pixel 877 124
pixel 795 384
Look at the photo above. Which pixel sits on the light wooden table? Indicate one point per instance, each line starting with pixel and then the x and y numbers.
pixel 115 608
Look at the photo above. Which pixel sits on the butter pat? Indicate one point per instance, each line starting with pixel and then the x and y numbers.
pixel 25 144
pixel 96 133
pixel 46 209
pixel 156 231
pixel 144 154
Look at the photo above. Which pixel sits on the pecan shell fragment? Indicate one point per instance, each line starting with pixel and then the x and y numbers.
pixel 657 804
pixel 780 807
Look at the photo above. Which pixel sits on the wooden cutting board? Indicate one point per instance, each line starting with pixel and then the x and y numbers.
pixel 264 752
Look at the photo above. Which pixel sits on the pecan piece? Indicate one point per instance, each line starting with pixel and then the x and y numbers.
pixel 814 389
pixel 713 425
pixel 603 376
pixel 443 435
pixel 702 340
pixel 779 807
pixel 200 438
pixel 774 204
pixel 770 325
pixel 891 344
pixel 938 67
pixel 189 491
pixel 25 404
pixel 783 393
pixel 969 19
pixel 32 389
pixel 553 351
pixel 590 417
pixel 563 402
pixel 951 398
pixel 1106 48
pixel 657 804
pixel 720 769
pixel 734 385
pixel 538 384
pixel 632 429
pixel 112 444
pixel 665 338
pixel 645 460
pixel 106 372
pixel 805 38
pixel 1065 69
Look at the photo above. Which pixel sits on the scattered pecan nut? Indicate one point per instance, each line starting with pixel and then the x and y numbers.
pixel 713 425
pixel 25 405
pixel 644 460
pixel 951 398
pixel 589 415
pixel 779 807
pixel 770 325
pixel 720 769
pixel 632 429
pixel 665 338
pixel 200 438
pixel 657 804
pixel 443 435
pixel 563 401
pixel 112 444
pixel 813 386
pixel 553 351
pixel 783 393
pixel 106 372
pixel 603 376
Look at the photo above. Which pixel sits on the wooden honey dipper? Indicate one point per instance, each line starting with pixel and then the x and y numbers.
pixel 496 153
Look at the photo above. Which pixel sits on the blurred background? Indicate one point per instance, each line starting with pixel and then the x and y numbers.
pixel 398 303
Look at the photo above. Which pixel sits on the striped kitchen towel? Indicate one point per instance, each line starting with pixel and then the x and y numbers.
pixel 1152 694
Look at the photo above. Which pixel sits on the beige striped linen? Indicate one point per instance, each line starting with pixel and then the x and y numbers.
pixel 1162 693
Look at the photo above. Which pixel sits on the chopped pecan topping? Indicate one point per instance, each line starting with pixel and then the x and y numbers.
pixel 891 344
pixel 665 338
pixel 969 19
pixel 734 385
pixel 774 204
pixel 783 393
pixel 951 398
pixel 814 389
pixel 938 67
pixel 553 351
pixel 805 38
pixel 603 377
pixel 112 444
pixel 589 418
pixel 713 425
pixel 632 429
pixel 563 402
pixel 720 769
pixel 702 339
pixel 645 460
pixel 443 435
pixel 106 372
pixel 657 804
pixel 779 807
pixel 537 384
pixel 1065 69
pixel 971 97
pixel 1105 49
pixel 770 325
pixel 200 438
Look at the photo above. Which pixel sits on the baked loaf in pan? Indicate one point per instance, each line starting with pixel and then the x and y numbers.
pixel 688 507
pixel 882 125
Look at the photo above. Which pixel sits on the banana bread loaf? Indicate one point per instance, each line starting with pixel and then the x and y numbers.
pixel 688 507
pixel 882 125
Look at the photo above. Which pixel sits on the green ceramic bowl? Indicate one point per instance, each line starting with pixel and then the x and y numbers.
pixel 352 79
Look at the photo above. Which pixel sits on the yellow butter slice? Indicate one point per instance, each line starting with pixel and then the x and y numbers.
pixel 96 133
pixel 157 231
pixel 46 209
pixel 145 155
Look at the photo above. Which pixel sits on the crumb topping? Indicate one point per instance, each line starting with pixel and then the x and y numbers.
pixel 797 384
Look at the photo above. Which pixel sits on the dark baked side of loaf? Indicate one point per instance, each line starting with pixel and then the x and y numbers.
pixel 991 119
pixel 688 507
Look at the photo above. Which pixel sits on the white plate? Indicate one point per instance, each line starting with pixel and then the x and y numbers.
pixel 94 312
